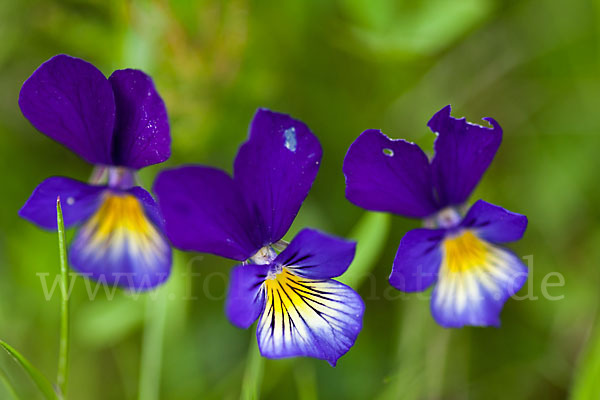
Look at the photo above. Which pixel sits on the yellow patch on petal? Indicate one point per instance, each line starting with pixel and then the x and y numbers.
pixel 120 224
pixel 464 252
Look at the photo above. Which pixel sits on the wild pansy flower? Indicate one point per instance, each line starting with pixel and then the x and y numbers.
pixel 301 310
pixel 473 276
pixel 120 125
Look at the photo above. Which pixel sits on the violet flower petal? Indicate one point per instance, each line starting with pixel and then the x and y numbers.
pixel 418 260
pixel 463 152
pixel 275 170
pixel 389 175
pixel 316 255
pixel 70 101
pixel 78 201
pixel 141 136
pixel 204 211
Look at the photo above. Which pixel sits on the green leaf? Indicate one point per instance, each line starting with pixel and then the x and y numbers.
pixel 370 234
pixel 40 380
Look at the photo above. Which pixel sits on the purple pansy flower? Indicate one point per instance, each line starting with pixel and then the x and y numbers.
pixel 301 310
pixel 120 125
pixel 473 276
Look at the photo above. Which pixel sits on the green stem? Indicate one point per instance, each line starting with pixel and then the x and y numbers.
pixel 63 351
pixel 152 346
pixel 254 372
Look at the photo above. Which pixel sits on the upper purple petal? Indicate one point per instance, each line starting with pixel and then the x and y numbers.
pixel 494 223
pixel 71 101
pixel 315 255
pixel 418 260
pixel 246 295
pixel 389 175
pixel 141 136
pixel 275 169
pixel 463 151
pixel 205 211
pixel 78 201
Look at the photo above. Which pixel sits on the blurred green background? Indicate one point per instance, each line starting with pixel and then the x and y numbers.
pixel 340 66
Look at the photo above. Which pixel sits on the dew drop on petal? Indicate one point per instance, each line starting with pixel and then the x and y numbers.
pixel 290 139
pixel 70 201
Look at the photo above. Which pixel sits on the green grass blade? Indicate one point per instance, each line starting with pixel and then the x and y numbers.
pixel 253 374
pixel 370 234
pixel 9 387
pixel 587 377
pixel 40 380
pixel 63 350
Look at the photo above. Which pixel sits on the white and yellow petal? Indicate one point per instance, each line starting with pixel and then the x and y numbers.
pixel 308 317
pixel 474 281
pixel 120 244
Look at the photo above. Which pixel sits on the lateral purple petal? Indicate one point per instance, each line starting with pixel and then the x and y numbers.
pixel 246 295
pixel 275 169
pixel 204 211
pixel 78 200
pixel 418 260
pixel 463 152
pixel 71 101
pixel 315 255
pixel 141 135
pixel 389 175
pixel 494 223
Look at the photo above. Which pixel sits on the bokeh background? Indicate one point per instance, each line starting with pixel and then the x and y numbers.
pixel 341 66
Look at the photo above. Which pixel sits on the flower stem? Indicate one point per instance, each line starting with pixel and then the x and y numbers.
pixel 63 351
pixel 152 346
pixel 254 372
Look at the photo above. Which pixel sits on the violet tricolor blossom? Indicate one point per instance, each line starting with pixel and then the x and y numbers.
pixel 301 310
pixel 120 125
pixel 473 276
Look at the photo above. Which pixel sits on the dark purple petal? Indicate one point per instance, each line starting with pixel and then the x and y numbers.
pixel 78 201
pixel 275 169
pixel 494 223
pixel 70 101
pixel 463 151
pixel 120 245
pixel 418 260
pixel 142 126
pixel 315 255
pixel 204 211
pixel 305 317
pixel 246 295
pixel 388 175
pixel 473 293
